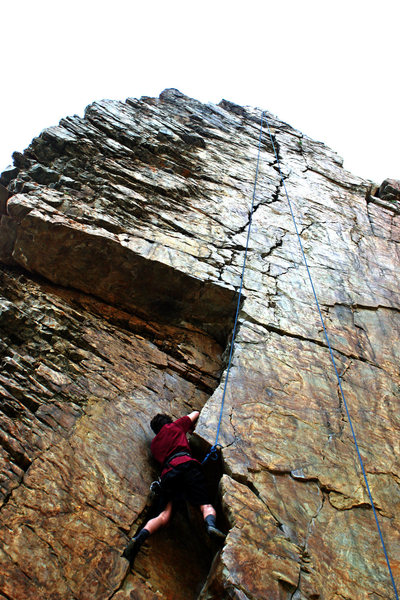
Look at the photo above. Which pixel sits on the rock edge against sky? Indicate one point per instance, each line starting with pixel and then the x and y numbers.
pixel 122 239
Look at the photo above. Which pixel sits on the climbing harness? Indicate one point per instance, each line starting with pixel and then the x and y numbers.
pixel 213 453
pixel 155 486
pixel 171 457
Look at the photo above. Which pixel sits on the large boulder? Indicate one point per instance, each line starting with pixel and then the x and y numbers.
pixel 122 238
pixel 390 190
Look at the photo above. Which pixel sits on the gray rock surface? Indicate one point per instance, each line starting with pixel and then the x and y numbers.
pixel 122 246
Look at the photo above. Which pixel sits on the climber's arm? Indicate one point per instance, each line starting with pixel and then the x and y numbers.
pixel 194 416
pixel 187 423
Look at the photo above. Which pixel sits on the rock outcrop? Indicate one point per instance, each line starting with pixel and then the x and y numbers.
pixel 122 240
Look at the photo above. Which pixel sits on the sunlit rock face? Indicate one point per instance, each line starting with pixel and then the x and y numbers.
pixel 122 241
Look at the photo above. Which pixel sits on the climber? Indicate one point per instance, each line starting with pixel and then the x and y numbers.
pixel 181 476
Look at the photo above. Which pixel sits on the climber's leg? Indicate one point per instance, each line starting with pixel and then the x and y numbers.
pixel 209 516
pixel 151 526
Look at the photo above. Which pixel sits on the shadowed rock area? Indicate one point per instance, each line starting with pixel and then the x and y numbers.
pixel 122 239
pixel 80 382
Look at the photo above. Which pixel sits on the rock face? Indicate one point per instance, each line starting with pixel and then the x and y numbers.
pixel 122 240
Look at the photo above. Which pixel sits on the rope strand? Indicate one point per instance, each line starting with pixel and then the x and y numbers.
pixel 214 448
pixel 334 366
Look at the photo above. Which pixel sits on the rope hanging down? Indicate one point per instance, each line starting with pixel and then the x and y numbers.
pixel 214 449
pixel 213 454
pixel 334 364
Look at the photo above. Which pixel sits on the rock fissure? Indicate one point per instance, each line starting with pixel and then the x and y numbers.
pixel 365 307
pixel 235 436
pixel 279 186
pixel 343 413
pixel 137 213
pixel 312 521
pixel 383 204
pixel 20 458
pixel 370 219
pixel 357 186
pixel 285 333
pixel 243 480
pixel 278 244
pixel 15 563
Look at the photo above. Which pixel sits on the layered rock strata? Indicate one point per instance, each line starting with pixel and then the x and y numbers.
pixel 122 239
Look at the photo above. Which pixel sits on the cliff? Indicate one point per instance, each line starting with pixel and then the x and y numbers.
pixel 122 240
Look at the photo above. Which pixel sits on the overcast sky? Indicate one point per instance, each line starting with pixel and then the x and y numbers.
pixel 329 68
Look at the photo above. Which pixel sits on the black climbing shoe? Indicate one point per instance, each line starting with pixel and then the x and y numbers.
pixel 134 545
pixel 212 529
pixel 215 533
pixel 131 550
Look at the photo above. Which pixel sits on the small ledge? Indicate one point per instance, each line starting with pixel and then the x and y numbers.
pixel 392 207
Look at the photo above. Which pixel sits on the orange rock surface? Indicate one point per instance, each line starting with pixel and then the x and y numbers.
pixel 122 239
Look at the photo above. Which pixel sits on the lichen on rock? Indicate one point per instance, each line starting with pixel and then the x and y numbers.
pixel 122 239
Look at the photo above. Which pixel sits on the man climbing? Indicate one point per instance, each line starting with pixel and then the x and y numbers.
pixel 181 476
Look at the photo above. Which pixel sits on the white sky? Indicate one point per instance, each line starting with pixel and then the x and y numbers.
pixel 328 67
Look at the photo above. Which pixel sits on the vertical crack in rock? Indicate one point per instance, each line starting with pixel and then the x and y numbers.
pixel 306 559
pixel 123 235
pixel 343 419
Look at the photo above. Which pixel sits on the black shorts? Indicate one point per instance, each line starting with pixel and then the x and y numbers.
pixel 184 482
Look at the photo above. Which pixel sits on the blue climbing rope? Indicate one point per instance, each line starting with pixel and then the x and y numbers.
pixel 213 453
pixel 334 365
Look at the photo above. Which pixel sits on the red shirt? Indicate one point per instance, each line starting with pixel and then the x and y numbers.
pixel 172 438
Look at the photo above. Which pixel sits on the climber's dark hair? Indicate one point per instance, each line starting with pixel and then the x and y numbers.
pixel 159 421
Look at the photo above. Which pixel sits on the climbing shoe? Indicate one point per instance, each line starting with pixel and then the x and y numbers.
pixel 212 528
pixel 134 545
